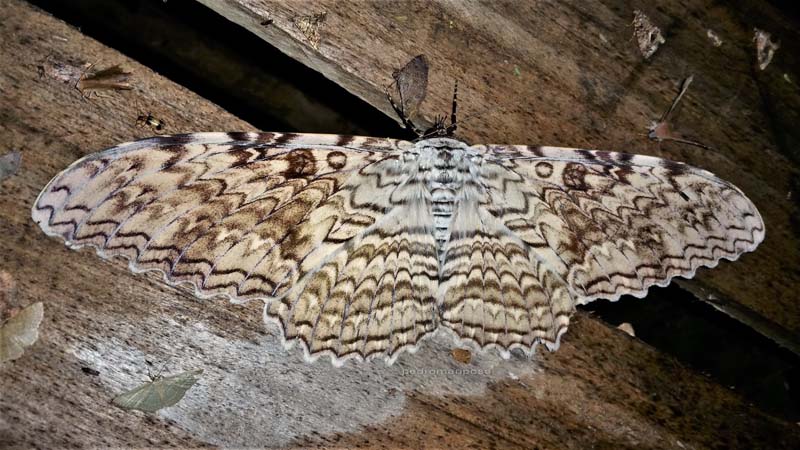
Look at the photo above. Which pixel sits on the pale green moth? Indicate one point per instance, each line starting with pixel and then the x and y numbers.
pixel 20 331
pixel 158 393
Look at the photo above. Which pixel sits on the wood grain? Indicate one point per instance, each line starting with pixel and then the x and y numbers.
pixel 602 389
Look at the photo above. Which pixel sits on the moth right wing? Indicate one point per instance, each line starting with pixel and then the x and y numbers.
pixel 550 228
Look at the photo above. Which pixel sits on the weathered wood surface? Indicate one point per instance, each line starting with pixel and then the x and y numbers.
pixel 570 74
pixel 602 389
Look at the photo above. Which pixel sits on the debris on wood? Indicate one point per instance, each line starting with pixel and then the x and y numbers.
pixel 65 72
pixel 627 328
pixel 9 164
pixel 111 78
pixel 309 26
pixel 647 35
pixel 765 48
pixel 8 290
pixel 461 355
pixel 661 131
pixel 267 21
pixel 90 371
pixel 20 331
pixel 714 38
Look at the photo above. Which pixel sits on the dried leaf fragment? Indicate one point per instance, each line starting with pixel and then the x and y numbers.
pixel 647 35
pixel 627 328
pixel 461 355
pixel 714 38
pixel 309 26
pixel 9 164
pixel 765 48
pixel 20 331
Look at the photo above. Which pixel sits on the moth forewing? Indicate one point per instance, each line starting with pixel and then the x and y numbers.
pixel 411 83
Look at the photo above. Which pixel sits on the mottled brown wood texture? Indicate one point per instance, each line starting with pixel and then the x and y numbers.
pixel 602 389
pixel 570 74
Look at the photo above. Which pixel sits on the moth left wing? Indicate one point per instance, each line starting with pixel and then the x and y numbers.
pixel 260 215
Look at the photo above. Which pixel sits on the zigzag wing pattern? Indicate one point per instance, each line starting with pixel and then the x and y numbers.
pixel 260 215
pixel 555 227
pixel 376 294
pixel 495 290
pixel 361 246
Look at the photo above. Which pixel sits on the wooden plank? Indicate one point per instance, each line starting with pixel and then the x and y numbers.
pixel 602 387
pixel 570 74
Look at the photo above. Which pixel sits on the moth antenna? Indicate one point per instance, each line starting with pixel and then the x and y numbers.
pixel 453 122
pixel 688 142
pixel 684 87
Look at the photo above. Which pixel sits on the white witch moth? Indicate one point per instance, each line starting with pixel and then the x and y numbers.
pixel 362 246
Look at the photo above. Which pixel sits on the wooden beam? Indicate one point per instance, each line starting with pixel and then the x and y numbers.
pixel 570 74
pixel 601 388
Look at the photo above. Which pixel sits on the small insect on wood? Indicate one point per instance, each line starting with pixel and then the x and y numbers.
pixel 150 121
pixel 110 78
pixel 160 392
pixel 20 331
pixel 411 85
pixel 662 130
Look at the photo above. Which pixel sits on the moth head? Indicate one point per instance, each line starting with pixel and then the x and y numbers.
pixel 439 129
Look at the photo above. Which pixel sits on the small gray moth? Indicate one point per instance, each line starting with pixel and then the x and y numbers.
pixel 159 392
pixel 20 331
pixel 412 84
